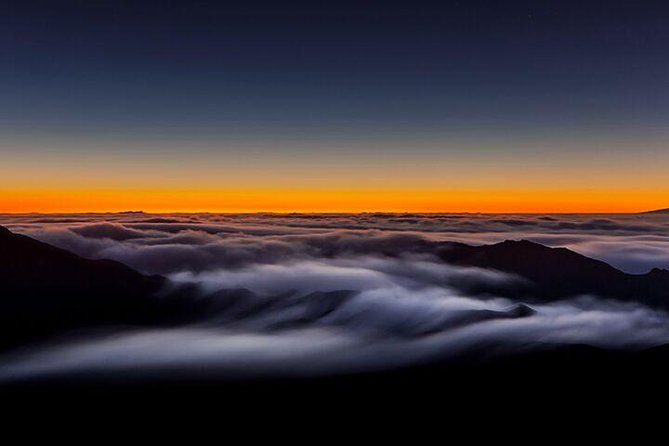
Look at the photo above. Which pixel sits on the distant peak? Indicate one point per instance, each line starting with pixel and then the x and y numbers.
pixel 657 211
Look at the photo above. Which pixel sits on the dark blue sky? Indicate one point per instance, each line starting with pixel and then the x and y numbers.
pixel 461 79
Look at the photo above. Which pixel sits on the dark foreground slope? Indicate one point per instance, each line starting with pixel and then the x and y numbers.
pixel 573 381
pixel 44 289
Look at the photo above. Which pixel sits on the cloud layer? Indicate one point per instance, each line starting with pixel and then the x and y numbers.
pixel 634 243
pixel 313 294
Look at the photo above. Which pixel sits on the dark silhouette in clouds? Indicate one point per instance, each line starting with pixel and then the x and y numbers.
pixel 556 273
pixel 46 289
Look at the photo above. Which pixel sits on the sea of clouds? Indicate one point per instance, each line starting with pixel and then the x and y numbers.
pixel 634 243
pixel 313 294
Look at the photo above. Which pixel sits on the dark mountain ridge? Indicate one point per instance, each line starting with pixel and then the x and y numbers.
pixel 557 273
pixel 45 289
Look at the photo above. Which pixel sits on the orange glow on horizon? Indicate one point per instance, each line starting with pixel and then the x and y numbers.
pixel 330 200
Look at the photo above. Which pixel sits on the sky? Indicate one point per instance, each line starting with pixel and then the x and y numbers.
pixel 477 106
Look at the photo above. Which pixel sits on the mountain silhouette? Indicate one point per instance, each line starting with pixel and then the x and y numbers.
pixel 45 289
pixel 657 211
pixel 556 273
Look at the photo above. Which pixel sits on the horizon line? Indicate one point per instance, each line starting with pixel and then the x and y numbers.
pixel 339 212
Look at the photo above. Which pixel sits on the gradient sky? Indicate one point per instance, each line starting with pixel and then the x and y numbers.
pixel 333 106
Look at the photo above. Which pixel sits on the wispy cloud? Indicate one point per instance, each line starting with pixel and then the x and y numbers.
pixel 311 294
